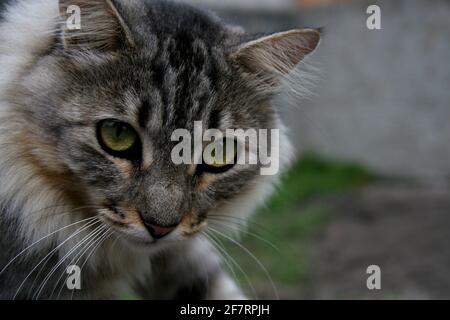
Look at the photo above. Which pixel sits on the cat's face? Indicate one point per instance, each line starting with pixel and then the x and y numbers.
pixel 103 116
pixel 113 128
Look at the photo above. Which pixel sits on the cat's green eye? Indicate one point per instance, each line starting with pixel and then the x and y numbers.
pixel 118 138
pixel 220 156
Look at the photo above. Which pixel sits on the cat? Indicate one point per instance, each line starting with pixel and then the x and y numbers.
pixel 86 117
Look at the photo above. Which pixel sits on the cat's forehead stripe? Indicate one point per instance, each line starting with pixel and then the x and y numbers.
pixel 184 76
pixel 144 113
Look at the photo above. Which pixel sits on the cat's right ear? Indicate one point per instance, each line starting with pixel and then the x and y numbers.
pixel 92 25
pixel 269 59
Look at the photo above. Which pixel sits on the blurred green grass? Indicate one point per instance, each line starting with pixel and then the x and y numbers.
pixel 289 225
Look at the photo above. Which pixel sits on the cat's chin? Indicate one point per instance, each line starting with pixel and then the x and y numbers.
pixel 136 240
pixel 134 237
pixel 145 242
pixel 145 246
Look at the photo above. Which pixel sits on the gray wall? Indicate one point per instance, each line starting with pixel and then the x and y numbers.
pixel 385 95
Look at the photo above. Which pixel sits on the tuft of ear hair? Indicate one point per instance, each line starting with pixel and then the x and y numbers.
pixel 271 58
pixel 101 27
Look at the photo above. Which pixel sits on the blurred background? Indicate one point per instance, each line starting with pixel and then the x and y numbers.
pixel 371 183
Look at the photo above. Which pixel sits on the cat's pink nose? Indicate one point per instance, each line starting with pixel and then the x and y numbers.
pixel 159 232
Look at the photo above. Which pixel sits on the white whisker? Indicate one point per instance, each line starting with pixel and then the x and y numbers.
pixel 79 255
pixel 216 245
pixel 247 278
pixel 41 239
pixel 263 268
pixel 61 261
pixel 102 239
pixel 241 228
pixel 86 226
pixel 86 249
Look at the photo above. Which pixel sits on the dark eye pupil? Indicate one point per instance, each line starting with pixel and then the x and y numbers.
pixel 120 128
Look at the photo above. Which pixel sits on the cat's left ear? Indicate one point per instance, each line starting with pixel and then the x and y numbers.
pixel 271 58
pixel 93 25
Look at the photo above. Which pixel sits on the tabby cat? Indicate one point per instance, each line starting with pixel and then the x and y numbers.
pixel 86 120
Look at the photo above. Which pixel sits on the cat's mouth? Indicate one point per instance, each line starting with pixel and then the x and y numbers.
pixel 130 231
pixel 129 225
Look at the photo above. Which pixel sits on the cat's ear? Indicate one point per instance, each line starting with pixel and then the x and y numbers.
pixel 271 58
pixel 93 25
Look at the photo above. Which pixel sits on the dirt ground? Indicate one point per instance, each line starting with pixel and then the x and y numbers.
pixel 404 229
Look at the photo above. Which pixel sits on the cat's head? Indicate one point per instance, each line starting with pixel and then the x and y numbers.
pixel 103 102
